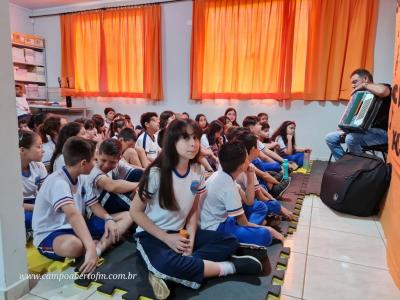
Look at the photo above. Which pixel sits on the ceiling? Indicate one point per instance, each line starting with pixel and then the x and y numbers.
pixel 39 4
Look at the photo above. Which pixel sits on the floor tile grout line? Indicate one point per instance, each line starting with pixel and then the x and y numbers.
pixel 347 262
pixel 37 296
pixel 365 235
pixel 308 242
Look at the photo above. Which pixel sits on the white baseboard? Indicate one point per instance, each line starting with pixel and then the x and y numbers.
pixel 15 291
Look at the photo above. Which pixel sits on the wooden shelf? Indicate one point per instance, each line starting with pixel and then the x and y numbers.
pixel 26 64
pixel 30 81
pixel 27 46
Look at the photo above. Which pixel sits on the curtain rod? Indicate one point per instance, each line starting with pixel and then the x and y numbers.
pixel 105 8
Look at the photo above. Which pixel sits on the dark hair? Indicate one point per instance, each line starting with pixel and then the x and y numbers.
pixel 98 121
pixel 165 115
pixel 77 149
pixel 69 130
pixel 127 134
pixel 160 137
pixel 167 161
pixel 115 125
pixel 281 131
pixel 111 147
pixel 214 127
pixel 37 120
pixel 224 120
pixel 262 114
pixel 264 126
pixel 89 124
pixel 234 123
pixel 107 110
pixel 185 113
pixel 119 116
pixel 363 73
pixel 127 117
pixel 146 117
pixel 231 155
pixel 248 139
pixel 26 138
pixel 234 131
pixel 80 120
pixel 250 121
pixel 51 126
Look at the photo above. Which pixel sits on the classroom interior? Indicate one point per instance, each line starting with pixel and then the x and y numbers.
pixel 332 255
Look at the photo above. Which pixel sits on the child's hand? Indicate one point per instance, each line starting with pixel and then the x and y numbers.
pixel 177 243
pixel 111 229
pixel 286 213
pixel 89 265
pixel 250 169
pixel 275 234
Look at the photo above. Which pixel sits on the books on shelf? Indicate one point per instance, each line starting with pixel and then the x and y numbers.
pixel 34 91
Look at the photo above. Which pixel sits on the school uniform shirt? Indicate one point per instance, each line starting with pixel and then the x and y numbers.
pixel 185 189
pixel 22 106
pixel 222 201
pixel 260 145
pixel 121 171
pixel 148 144
pixel 32 180
pixel 59 163
pixel 281 144
pixel 48 149
pixel 58 190
pixel 204 141
pixel 241 180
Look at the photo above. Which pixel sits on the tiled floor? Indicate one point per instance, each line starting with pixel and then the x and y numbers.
pixel 333 256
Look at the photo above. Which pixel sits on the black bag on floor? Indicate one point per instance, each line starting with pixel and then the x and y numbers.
pixel 355 184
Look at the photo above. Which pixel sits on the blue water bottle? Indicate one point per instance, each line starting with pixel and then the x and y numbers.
pixel 285 166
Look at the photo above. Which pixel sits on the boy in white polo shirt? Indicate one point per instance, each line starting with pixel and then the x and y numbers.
pixel 222 208
pixel 59 228
pixel 148 139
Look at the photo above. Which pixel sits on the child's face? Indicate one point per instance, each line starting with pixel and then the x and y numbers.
pixel 203 122
pixel 91 133
pixel 107 162
pixel 254 153
pixel 82 133
pixel 19 92
pixel 63 122
pixel 24 126
pixel 110 115
pixel 256 129
pixel 35 152
pixel 264 119
pixel 188 147
pixel 170 119
pixel 291 129
pixel 231 115
pixel 88 166
pixel 154 124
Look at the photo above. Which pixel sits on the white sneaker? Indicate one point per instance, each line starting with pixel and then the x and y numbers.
pixel 160 288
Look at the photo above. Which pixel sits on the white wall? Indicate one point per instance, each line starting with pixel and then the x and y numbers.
pixel 12 232
pixel 315 119
pixel 19 19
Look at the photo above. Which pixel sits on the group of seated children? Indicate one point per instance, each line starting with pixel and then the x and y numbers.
pixel 195 190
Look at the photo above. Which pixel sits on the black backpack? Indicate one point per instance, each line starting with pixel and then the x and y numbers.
pixel 356 184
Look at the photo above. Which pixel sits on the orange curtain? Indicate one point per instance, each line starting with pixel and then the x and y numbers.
pixel 282 49
pixel 115 52
pixel 391 210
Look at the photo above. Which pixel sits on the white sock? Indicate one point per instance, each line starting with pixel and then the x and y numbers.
pixel 98 251
pixel 226 268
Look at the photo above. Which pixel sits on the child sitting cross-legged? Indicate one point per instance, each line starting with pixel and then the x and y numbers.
pixel 59 227
pixel 166 203
pixel 222 208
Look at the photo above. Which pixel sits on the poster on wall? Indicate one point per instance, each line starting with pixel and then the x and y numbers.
pixel 390 214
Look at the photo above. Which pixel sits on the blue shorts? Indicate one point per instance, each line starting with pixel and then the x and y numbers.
pixel 96 227
pixel 46 246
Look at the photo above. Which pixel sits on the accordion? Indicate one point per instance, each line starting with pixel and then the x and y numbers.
pixel 360 112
